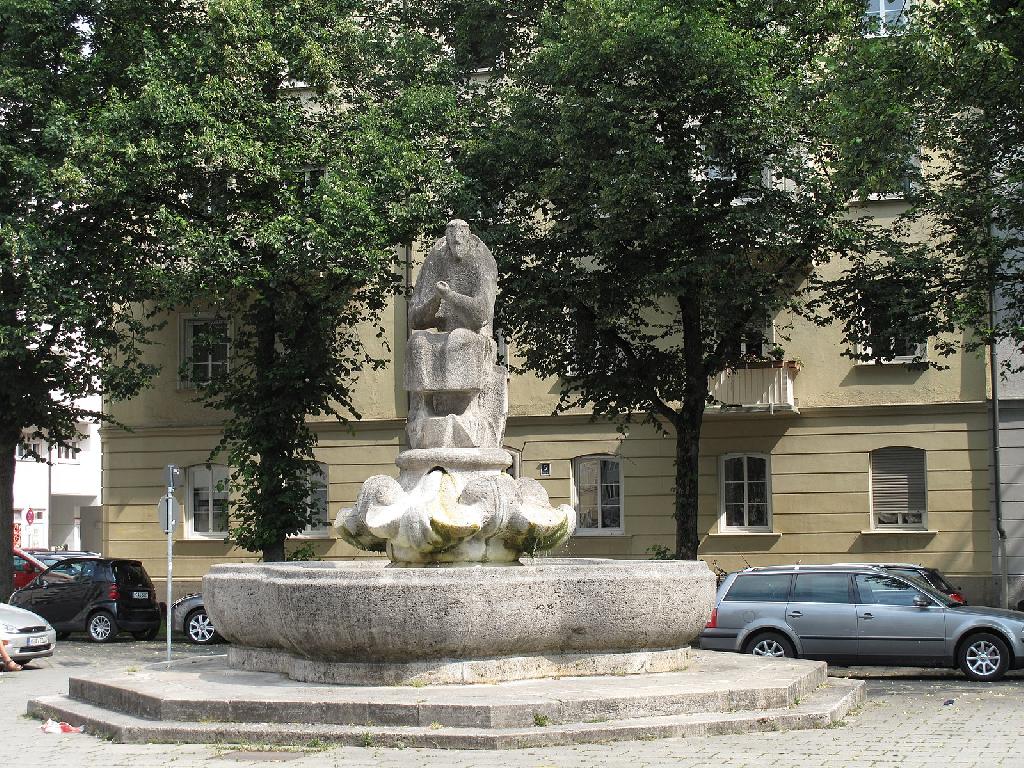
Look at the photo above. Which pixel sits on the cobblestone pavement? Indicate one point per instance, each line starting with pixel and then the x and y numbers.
pixel 912 719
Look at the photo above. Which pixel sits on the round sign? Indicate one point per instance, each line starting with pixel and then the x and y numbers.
pixel 30 516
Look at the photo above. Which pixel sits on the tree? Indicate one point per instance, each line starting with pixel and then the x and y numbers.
pixel 659 180
pixel 959 67
pixel 69 264
pixel 969 57
pixel 297 144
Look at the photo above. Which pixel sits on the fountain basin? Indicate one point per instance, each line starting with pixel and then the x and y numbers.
pixel 372 612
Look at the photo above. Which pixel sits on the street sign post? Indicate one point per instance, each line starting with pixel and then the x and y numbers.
pixel 167 513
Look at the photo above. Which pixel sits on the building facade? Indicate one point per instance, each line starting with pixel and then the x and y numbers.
pixel 1010 502
pixel 811 458
pixel 57 503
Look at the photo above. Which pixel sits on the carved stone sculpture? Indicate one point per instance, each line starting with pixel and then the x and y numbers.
pixel 453 502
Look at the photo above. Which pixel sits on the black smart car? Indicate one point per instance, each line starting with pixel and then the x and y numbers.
pixel 97 595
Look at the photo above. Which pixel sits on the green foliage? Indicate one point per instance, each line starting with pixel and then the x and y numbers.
pixel 657 181
pixel 70 262
pixel 292 148
pixel 660 552
pixel 302 553
pixel 960 74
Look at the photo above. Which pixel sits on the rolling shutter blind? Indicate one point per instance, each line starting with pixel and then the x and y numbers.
pixel 897 482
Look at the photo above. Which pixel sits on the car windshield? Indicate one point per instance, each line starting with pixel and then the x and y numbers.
pixel 919 583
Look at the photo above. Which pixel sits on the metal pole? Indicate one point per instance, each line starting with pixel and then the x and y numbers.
pixel 993 360
pixel 170 565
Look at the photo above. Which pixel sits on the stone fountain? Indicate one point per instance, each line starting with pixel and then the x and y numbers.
pixel 441 610
pixel 393 652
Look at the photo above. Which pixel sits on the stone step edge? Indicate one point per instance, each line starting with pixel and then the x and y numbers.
pixel 455 713
pixel 826 706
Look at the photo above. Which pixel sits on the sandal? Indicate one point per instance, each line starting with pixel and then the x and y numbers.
pixel 12 666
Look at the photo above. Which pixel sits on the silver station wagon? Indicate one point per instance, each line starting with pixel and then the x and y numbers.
pixel 861 615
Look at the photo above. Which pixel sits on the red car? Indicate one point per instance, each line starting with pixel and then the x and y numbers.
pixel 26 568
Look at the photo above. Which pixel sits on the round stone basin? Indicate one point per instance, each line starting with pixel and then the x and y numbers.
pixel 372 611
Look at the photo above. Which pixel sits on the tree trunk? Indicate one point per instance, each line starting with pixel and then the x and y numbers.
pixel 274 431
pixel 274 553
pixel 8 445
pixel 687 473
pixel 688 426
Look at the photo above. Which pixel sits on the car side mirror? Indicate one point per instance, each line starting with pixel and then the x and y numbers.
pixel 28 568
pixel 921 602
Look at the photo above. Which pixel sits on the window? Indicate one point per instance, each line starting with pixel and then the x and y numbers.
pixel 317 499
pixel 884 17
pixel 754 343
pixel 598 487
pixel 892 324
pixel 878 589
pixel 893 349
pixel 67 454
pixel 205 348
pixel 206 510
pixel 26 445
pixel 898 488
pixel 745 492
pixel 821 588
pixel 760 588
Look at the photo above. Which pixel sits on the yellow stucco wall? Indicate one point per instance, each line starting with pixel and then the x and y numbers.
pixel 819 459
pixel 819 470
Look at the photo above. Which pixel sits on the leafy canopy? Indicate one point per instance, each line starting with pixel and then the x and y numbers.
pixel 295 145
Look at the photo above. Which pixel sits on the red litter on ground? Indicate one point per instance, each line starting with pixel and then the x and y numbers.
pixel 52 726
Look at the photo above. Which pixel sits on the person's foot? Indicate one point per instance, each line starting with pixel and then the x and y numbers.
pixel 12 666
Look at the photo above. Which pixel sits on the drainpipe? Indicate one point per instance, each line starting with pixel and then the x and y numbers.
pixel 993 361
pixel 408 306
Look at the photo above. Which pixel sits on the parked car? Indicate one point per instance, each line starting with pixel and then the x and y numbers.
pixel 28 636
pixel 96 595
pixel 50 557
pixel 861 614
pixel 26 568
pixel 189 616
pixel 932 576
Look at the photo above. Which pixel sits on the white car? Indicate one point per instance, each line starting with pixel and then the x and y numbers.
pixel 28 635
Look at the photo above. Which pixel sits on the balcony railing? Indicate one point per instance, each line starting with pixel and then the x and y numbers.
pixel 758 387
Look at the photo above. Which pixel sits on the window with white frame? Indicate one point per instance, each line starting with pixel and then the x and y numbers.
pixel 67 454
pixel 30 444
pixel 206 511
pixel 317 499
pixel 204 350
pixel 886 322
pixel 899 489
pixel 892 347
pixel 754 343
pixel 885 17
pixel 597 482
pixel 746 492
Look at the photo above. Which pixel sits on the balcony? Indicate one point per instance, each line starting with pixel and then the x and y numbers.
pixel 760 387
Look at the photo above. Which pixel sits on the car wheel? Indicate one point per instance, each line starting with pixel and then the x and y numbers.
pixel 770 644
pixel 199 629
pixel 147 634
pixel 984 657
pixel 101 627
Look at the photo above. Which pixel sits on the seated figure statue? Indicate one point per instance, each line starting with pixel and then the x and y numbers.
pixel 457 391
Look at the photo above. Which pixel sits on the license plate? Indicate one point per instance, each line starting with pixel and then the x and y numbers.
pixel 140 595
pixel 41 640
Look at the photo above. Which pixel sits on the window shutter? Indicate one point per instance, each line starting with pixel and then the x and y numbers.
pixel 898 483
